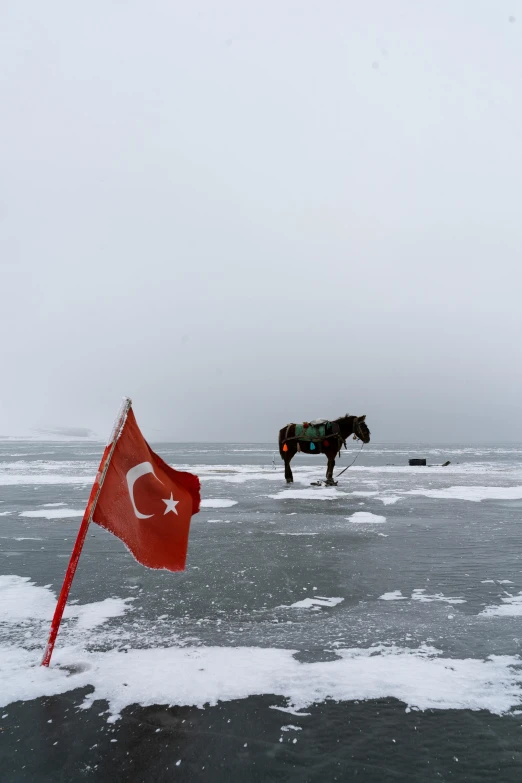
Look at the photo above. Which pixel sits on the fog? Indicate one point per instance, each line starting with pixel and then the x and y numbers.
pixel 246 214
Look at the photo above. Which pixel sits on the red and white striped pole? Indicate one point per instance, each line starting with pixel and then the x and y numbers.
pixel 86 521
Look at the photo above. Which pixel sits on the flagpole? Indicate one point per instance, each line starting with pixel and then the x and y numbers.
pixel 82 533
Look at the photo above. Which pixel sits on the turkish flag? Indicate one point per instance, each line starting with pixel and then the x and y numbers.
pixel 147 503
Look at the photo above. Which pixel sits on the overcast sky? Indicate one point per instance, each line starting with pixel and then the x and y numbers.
pixel 242 214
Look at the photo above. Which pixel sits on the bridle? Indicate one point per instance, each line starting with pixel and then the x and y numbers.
pixel 357 431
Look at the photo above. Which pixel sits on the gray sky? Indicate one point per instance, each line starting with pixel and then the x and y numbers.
pixel 244 214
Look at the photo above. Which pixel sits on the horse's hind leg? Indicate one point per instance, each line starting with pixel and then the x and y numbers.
pixel 288 471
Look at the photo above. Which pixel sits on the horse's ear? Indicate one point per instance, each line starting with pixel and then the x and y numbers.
pixel 362 418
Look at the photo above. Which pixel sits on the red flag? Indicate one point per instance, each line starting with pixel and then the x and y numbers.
pixel 147 503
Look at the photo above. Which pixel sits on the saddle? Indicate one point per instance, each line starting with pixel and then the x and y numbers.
pixel 316 430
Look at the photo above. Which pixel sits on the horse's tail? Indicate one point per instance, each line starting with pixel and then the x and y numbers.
pixel 280 441
pixel 283 436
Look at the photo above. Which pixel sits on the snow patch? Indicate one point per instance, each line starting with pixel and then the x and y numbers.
pixel 511 607
pixel 21 599
pixel 394 595
pixel 420 594
pixel 326 493
pixel 91 615
pixel 10 480
pixel 27 538
pixel 474 494
pixel 365 518
pixel 420 678
pixel 388 500
pixel 218 503
pixel 57 513
pixel 290 711
pixel 317 601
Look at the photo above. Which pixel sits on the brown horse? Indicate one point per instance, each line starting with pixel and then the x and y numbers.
pixel 338 431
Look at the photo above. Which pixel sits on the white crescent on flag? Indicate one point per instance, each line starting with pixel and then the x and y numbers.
pixel 132 476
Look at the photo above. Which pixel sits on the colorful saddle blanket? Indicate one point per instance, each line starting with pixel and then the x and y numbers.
pixel 315 430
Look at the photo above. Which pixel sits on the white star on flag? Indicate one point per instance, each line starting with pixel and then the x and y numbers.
pixel 171 505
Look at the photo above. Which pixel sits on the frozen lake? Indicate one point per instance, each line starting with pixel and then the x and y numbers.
pixel 371 629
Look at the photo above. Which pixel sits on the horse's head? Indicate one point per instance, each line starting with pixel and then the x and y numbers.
pixel 360 428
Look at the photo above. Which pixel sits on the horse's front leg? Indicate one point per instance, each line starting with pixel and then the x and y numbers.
pixel 330 469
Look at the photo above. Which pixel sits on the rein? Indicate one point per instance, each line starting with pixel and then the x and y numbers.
pixel 352 462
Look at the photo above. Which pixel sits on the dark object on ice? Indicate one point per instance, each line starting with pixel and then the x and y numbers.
pixel 320 437
pixel 445 464
pixel 417 462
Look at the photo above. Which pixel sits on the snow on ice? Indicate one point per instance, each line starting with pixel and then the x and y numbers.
pixel 365 518
pixel 420 677
pixel 474 493
pixel 218 503
pixel 53 513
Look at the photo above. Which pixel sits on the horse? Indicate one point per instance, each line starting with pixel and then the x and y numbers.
pixel 336 433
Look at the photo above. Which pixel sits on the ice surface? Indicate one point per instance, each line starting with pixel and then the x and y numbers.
pixel 419 677
pixel 426 542
pixel 55 513
pixel 296 533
